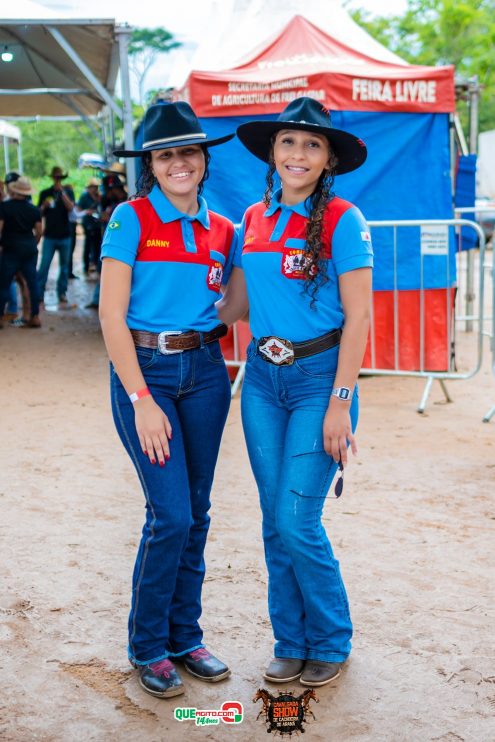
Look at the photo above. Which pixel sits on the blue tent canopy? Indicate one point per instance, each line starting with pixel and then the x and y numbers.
pixel 406 176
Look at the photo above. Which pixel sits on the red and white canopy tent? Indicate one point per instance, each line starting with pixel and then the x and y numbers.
pixel 401 111
pixel 303 59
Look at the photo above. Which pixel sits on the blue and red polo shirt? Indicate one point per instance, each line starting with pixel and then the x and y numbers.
pixel 270 250
pixel 178 262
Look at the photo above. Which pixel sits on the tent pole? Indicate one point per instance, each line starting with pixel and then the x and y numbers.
pixel 6 153
pixel 19 156
pixel 123 33
pixel 111 128
pixel 452 139
pixel 103 134
pixel 474 96
pixel 83 67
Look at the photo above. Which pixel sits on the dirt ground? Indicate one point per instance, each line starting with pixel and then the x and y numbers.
pixel 413 532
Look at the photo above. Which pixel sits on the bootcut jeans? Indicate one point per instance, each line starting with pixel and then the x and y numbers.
pixel 193 390
pixel 282 412
pixel 48 250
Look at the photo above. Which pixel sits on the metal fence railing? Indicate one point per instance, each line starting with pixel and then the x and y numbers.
pixel 471 309
pixel 451 315
pixel 491 412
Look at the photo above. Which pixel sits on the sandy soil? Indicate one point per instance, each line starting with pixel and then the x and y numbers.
pixel 413 531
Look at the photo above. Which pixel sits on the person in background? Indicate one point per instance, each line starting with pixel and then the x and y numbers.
pixel 114 194
pixel 12 308
pixel 88 207
pixel 56 203
pixel 20 232
pixel 73 217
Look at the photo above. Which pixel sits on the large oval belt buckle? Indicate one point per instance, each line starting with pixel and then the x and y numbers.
pixel 276 350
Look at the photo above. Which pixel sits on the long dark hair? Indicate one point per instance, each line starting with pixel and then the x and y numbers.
pixel 315 267
pixel 147 180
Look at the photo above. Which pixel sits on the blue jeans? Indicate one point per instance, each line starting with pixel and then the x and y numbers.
pixel 10 264
pixel 50 245
pixel 193 390
pixel 12 305
pixel 282 412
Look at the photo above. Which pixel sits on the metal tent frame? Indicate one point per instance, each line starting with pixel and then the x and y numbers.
pixel 67 67
pixel 10 133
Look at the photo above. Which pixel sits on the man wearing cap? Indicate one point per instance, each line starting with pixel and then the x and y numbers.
pixel 20 229
pixel 89 207
pixel 10 177
pixel 56 203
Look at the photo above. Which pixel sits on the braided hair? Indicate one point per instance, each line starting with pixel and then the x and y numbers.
pixel 315 266
pixel 147 179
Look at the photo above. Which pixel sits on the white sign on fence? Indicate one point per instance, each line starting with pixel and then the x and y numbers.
pixel 435 240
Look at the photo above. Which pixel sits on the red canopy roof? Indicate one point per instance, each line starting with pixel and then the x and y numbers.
pixel 304 60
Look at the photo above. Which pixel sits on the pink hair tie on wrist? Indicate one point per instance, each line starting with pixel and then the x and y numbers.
pixel 140 394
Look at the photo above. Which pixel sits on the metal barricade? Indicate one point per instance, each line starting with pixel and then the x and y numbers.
pixel 491 412
pixel 477 316
pixel 475 213
pixel 469 307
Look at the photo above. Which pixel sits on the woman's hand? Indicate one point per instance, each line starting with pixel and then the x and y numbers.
pixel 337 431
pixel 154 430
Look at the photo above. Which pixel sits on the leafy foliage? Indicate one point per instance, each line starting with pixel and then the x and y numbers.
pixel 438 32
pixel 49 143
pixel 145 46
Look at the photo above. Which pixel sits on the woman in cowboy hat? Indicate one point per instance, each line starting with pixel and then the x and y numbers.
pixel 163 257
pixel 20 232
pixel 306 257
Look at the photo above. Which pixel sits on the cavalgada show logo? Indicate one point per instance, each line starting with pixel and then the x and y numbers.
pixel 285 713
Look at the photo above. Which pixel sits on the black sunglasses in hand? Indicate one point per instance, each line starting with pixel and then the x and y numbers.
pixel 339 484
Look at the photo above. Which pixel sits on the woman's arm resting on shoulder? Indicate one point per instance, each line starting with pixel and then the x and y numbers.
pixel 355 293
pixel 152 425
pixel 234 303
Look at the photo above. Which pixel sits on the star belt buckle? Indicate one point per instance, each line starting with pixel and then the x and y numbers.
pixel 276 350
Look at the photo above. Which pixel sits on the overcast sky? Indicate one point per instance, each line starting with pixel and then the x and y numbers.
pixel 188 20
pixel 184 17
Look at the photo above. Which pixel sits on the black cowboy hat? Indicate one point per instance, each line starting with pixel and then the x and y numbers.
pixel 168 125
pixel 309 115
pixel 57 172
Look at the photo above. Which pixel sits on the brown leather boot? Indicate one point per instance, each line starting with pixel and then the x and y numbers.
pixel 283 669
pixel 317 672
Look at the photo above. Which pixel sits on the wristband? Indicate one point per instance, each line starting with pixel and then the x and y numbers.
pixel 140 394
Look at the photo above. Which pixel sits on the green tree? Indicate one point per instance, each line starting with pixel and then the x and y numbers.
pixel 437 32
pixel 145 46
pixel 49 143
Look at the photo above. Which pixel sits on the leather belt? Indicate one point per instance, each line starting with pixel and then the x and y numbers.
pixel 174 341
pixel 282 352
